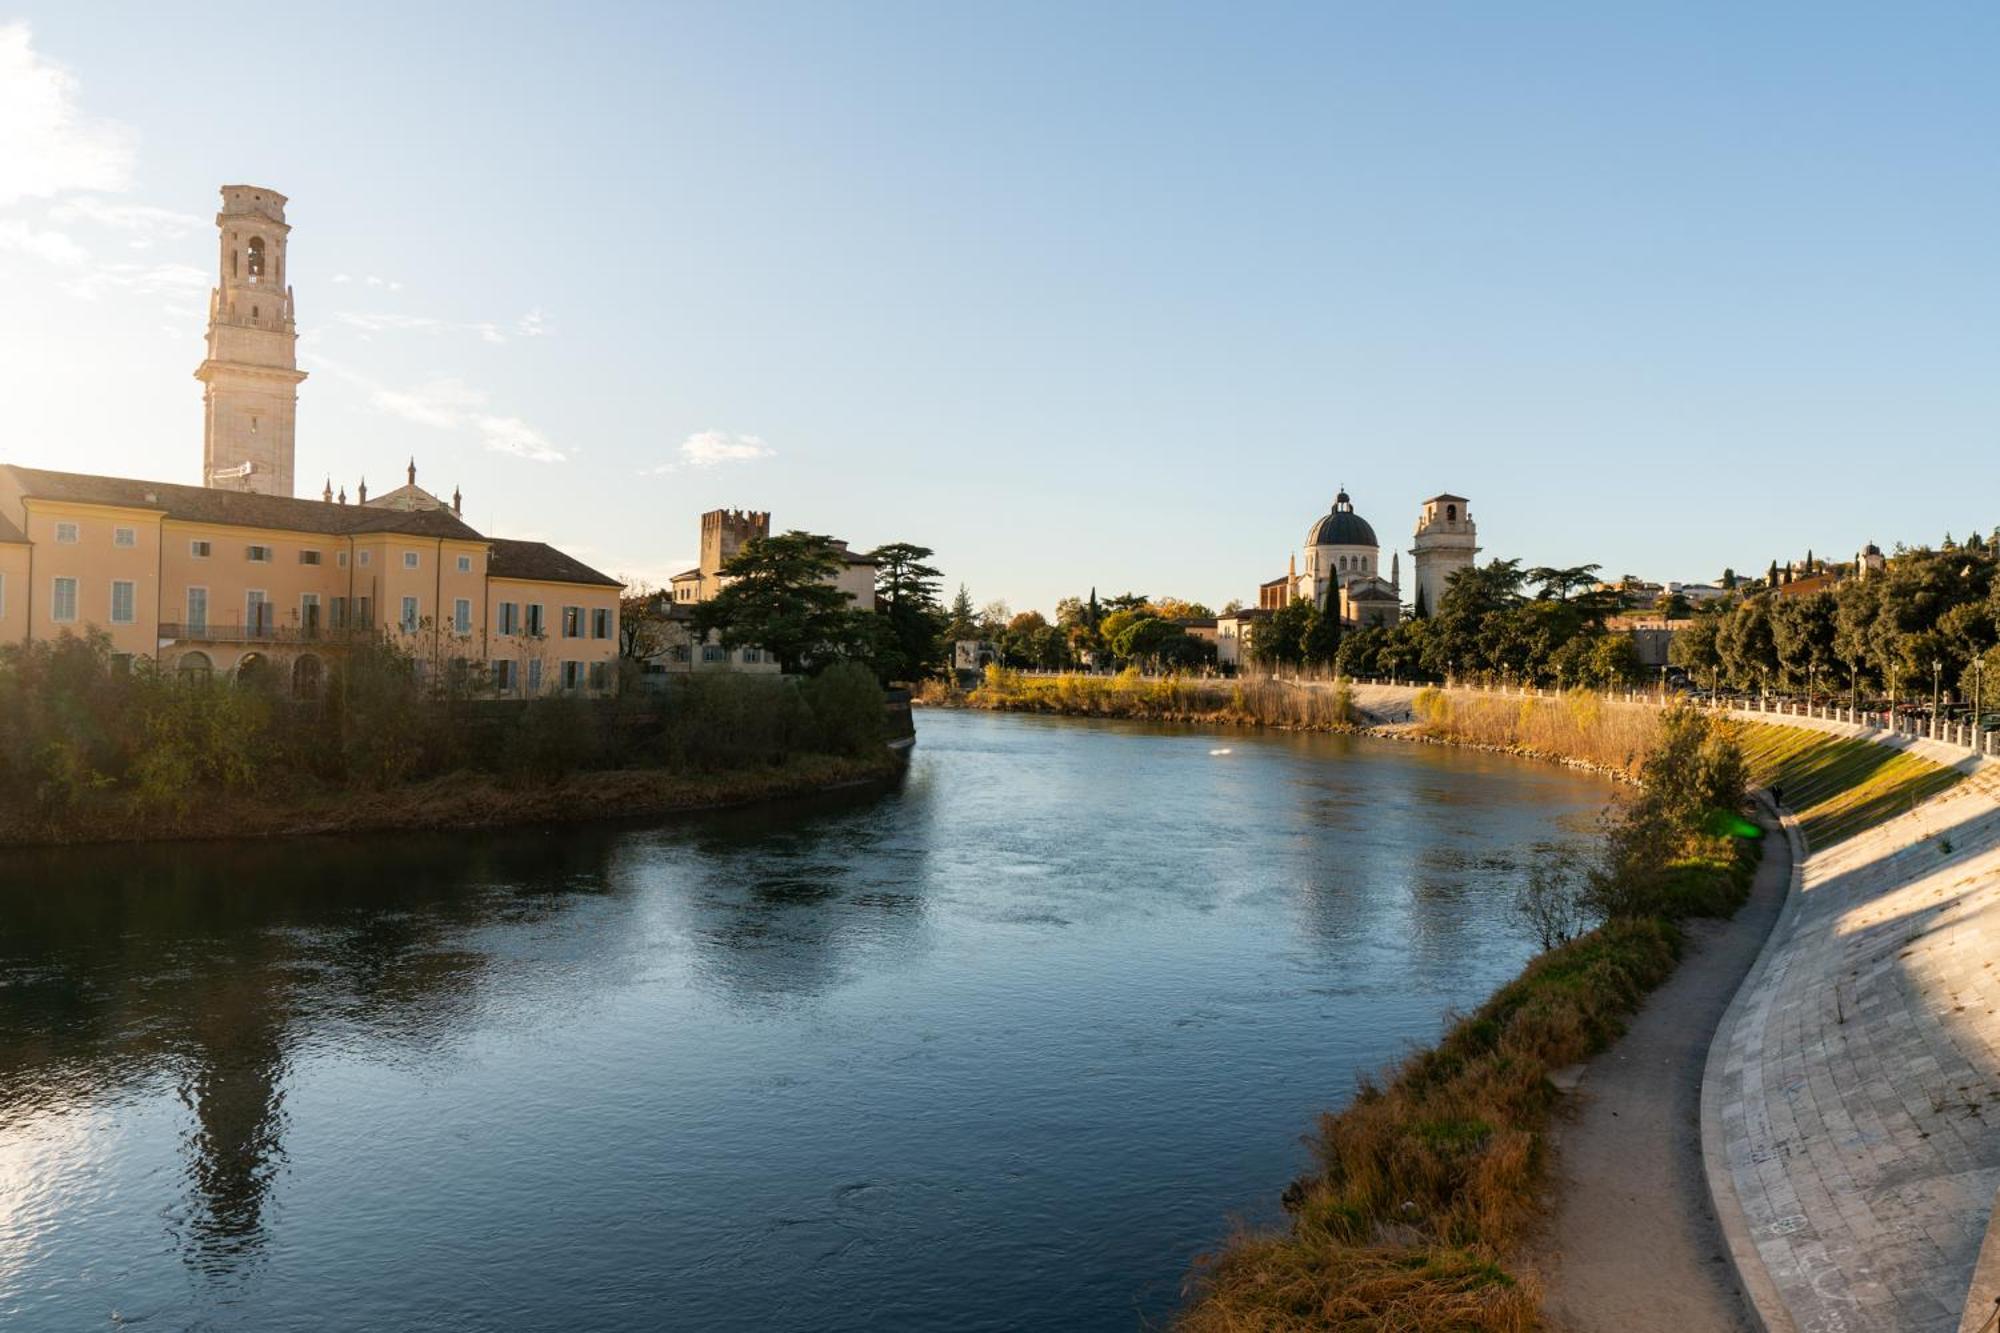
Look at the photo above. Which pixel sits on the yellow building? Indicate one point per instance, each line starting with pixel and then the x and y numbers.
pixel 206 580
pixel 219 576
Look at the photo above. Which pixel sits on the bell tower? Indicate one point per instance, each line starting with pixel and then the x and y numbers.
pixel 251 376
pixel 1447 541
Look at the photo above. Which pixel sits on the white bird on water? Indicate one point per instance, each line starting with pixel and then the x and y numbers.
pixel 1218 751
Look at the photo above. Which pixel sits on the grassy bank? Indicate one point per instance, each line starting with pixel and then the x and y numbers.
pixel 1266 703
pixel 1579 727
pixel 1839 786
pixel 463 800
pixel 1427 1181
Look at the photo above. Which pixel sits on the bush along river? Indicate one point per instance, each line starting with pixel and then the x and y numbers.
pixel 1003 1048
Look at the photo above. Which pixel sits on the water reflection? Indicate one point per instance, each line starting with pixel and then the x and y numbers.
pixel 1001 1048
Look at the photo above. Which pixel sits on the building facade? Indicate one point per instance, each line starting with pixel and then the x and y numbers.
pixel 237 572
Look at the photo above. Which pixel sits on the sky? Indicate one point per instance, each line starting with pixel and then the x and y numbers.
pixel 1111 295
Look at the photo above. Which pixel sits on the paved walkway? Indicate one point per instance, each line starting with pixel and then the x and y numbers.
pixel 1633 1243
pixel 1852 1110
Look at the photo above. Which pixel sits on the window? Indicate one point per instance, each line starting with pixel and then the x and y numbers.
pixel 127 537
pixel 572 622
pixel 259 616
pixel 121 602
pixel 258 554
pixel 364 612
pixel 465 564
pixel 535 619
pixel 600 623
pixel 199 549
pixel 3 596
pixel 340 559
pixel 409 615
pixel 65 534
pixel 535 675
pixel 503 677
pixel 309 614
pixel 510 617
pixel 62 608
pixel 364 557
pixel 572 675
pixel 599 674
pixel 256 258
pixel 308 557
pixel 752 656
pixel 409 560
pixel 713 652
pixel 461 616
pixel 197 609
pixel 681 653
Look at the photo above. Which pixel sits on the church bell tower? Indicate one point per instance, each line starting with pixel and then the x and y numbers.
pixel 251 375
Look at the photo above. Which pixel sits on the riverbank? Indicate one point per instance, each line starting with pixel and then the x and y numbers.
pixel 1432 1177
pixel 1631 1239
pixel 463 800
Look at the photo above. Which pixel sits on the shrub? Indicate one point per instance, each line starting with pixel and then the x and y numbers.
pixel 554 736
pixel 847 708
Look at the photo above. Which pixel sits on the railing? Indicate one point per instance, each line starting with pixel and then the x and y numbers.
pixel 184 631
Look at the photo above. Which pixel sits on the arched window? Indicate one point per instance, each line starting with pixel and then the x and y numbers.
pixel 307 675
pixel 195 666
pixel 1451 513
pixel 252 669
pixel 256 258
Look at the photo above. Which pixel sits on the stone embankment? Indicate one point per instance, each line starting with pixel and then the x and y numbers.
pixel 1852 1097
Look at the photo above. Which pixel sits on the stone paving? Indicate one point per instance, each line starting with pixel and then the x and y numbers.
pixel 1855 1086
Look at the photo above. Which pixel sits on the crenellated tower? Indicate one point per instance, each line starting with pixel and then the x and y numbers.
pixel 251 376
pixel 724 532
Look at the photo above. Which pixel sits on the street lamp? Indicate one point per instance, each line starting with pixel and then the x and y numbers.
pixel 1937 683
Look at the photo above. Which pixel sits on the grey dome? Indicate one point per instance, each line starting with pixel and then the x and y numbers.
pixel 1342 527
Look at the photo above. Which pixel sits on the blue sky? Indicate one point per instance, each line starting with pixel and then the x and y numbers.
pixel 1101 294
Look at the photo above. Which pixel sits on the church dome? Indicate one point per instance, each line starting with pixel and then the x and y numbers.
pixel 1342 527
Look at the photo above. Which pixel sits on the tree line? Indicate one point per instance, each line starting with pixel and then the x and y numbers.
pixel 1928 618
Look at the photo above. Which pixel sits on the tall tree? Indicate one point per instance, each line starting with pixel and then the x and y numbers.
pixel 907 589
pixel 781 597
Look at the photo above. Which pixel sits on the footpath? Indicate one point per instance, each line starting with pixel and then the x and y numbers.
pixel 1633 1242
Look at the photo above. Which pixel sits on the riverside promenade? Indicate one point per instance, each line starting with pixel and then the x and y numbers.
pixel 1850 1103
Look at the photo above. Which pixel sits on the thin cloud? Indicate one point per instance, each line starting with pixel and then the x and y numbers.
pixel 712 448
pixel 143 224
pixel 370 323
pixel 452 404
pixel 51 247
pixel 49 147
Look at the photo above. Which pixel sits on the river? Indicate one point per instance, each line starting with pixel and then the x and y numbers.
pixel 1003 1048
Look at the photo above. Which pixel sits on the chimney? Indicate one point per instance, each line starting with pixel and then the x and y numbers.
pixel 413 470
pixel 457 502
pixel 326 496
pixel 362 494
pixel 343 495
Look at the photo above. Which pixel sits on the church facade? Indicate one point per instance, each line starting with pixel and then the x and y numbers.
pixel 238 573
pixel 1339 568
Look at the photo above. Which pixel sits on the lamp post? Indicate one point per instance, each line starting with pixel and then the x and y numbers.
pixel 1937 684
pixel 1978 703
pixel 1853 687
pixel 1663 687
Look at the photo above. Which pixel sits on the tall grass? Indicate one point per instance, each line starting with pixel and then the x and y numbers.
pixel 1579 725
pixel 1269 703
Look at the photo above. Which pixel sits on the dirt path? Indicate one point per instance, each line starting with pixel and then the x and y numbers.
pixel 1632 1243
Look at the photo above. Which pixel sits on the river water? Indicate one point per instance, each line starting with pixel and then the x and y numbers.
pixel 1002 1049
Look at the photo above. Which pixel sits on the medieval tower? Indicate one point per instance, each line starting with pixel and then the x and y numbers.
pixel 251 376
pixel 1447 541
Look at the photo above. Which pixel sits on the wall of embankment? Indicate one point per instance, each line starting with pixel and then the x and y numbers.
pixel 1851 1101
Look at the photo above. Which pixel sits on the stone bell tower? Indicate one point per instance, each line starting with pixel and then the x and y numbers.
pixel 251 376
pixel 1447 541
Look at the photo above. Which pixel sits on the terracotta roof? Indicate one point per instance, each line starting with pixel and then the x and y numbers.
pixel 541 562
pixel 201 504
pixel 686 574
pixel 10 533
